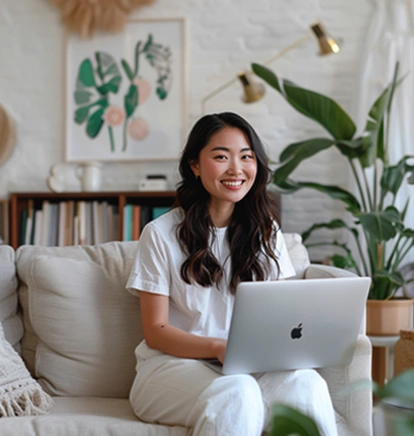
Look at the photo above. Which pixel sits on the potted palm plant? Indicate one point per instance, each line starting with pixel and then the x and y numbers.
pixel 377 226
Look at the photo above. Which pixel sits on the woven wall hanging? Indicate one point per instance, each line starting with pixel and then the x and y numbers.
pixel 85 17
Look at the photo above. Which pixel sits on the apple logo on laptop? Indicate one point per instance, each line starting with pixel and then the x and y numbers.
pixel 296 332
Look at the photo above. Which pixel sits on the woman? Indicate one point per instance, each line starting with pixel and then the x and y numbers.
pixel 223 231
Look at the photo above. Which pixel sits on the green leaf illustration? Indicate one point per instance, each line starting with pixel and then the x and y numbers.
pixel 127 70
pixel 83 96
pixel 85 75
pixel 95 123
pixel 131 100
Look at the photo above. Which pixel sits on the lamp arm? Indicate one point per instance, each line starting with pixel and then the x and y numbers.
pixel 269 61
pixel 288 48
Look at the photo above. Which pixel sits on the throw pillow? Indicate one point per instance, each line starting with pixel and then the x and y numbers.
pixel 20 394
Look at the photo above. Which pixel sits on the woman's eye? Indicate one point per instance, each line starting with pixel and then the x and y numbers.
pixel 247 157
pixel 220 157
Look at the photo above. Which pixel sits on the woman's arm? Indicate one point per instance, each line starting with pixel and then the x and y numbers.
pixel 170 340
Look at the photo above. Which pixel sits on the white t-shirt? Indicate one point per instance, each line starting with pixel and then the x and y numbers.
pixel 203 311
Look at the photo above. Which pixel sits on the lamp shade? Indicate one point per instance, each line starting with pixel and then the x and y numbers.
pixel 326 43
pixel 252 91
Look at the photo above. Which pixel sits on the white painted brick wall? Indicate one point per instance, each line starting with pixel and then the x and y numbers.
pixel 224 37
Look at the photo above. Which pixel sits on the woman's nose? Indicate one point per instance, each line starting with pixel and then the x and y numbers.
pixel 235 167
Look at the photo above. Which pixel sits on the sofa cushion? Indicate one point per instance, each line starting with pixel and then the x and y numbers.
pixel 298 254
pixel 90 416
pixel 12 325
pixel 82 326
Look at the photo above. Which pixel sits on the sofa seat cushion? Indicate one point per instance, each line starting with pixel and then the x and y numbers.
pixel 81 325
pixel 74 416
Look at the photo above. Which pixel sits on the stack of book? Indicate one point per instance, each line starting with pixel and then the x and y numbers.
pixel 136 217
pixel 83 222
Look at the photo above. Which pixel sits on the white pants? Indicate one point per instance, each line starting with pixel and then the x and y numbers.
pixel 174 391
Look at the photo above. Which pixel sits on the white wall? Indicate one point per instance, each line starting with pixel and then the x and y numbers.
pixel 224 37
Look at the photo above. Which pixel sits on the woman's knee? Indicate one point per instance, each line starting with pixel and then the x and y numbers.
pixel 232 405
pixel 241 390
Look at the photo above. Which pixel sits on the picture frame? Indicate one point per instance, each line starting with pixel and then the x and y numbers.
pixel 126 93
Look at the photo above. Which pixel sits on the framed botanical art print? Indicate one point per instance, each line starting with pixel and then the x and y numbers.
pixel 126 93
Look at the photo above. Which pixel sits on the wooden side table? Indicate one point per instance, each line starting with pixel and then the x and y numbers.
pixel 382 361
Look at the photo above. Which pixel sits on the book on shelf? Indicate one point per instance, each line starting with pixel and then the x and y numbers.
pixel 158 211
pixel 127 224
pixel 4 221
pixel 27 236
pixel 37 238
pixel 136 222
pixel 62 223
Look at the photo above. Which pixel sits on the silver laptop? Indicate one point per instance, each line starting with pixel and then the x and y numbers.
pixel 294 324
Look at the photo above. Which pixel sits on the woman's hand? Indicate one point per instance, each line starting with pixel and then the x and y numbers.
pixel 160 335
pixel 219 347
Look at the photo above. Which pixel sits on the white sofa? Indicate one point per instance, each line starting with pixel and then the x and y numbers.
pixel 65 309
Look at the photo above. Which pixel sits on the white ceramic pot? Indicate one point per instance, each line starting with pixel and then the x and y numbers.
pixel 89 173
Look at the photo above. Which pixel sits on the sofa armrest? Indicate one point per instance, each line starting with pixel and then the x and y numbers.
pixel 351 392
pixel 325 271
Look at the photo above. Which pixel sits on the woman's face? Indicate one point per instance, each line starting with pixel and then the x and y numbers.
pixel 227 167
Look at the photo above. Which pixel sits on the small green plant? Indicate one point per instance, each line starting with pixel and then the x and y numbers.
pixel 373 209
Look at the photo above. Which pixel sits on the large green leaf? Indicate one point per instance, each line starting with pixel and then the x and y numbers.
pixel 400 387
pixel 83 96
pixel 127 70
pixel 354 148
pixel 288 421
pixel 381 225
pixel 332 225
pixel 375 126
pixel 297 153
pixel 131 100
pixel 335 192
pixel 318 107
pixel 393 176
pixel 95 123
pixel 111 86
pixel 82 113
pixel 108 72
pixel 85 74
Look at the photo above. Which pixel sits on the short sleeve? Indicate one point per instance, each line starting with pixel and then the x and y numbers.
pixel 282 254
pixel 150 270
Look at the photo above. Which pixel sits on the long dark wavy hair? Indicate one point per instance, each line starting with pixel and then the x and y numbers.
pixel 251 233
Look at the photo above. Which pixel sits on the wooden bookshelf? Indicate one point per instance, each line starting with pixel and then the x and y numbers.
pixel 19 203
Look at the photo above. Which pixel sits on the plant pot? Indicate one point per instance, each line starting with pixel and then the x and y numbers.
pixel 388 317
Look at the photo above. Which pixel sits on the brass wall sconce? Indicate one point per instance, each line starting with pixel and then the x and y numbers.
pixel 255 91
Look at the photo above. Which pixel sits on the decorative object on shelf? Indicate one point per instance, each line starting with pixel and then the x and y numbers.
pixel 56 179
pixel 381 224
pixel 153 182
pixel 255 91
pixel 126 93
pixel 89 173
pixel 7 135
pixel 87 17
